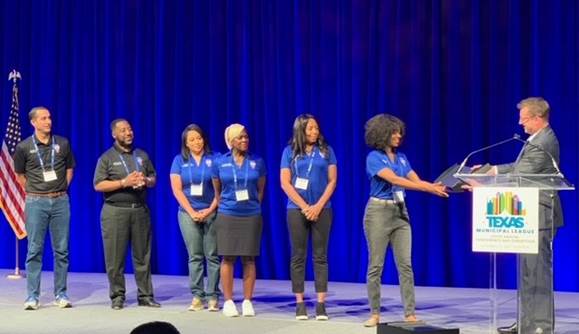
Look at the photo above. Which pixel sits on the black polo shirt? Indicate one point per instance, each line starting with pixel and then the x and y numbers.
pixel 115 164
pixel 27 162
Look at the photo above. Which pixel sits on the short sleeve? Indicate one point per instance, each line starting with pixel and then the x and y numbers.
pixel 100 172
pixel 406 167
pixel 331 156
pixel 70 163
pixel 286 158
pixel 374 164
pixel 262 169
pixel 215 167
pixel 176 165
pixel 149 168
pixel 19 160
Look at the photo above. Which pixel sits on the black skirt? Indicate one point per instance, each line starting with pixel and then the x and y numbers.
pixel 238 236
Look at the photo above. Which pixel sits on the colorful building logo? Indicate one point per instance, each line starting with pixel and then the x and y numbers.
pixel 505 210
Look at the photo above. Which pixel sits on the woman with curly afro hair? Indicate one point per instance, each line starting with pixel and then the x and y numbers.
pixel 386 219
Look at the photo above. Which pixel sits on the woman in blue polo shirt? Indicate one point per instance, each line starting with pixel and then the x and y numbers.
pixel 191 173
pixel 386 219
pixel 239 182
pixel 308 177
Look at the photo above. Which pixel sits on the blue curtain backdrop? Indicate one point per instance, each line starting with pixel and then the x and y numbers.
pixel 453 70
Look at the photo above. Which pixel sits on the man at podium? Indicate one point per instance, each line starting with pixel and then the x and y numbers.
pixel 539 155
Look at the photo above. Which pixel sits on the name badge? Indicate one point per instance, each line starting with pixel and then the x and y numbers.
pixel 302 183
pixel 49 176
pixel 197 189
pixel 241 195
pixel 399 196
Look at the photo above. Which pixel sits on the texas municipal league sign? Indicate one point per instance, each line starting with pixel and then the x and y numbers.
pixel 505 220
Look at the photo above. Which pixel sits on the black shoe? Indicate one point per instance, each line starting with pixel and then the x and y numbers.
pixel 508 330
pixel 117 304
pixel 301 313
pixel 148 302
pixel 321 311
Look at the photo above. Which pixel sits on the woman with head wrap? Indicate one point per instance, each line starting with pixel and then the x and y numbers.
pixel 386 219
pixel 239 183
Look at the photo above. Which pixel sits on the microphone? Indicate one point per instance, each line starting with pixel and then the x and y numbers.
pixel 540 148
pixel 486 148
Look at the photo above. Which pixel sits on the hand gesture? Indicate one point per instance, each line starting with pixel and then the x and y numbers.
pixel 437 189
pixel 134 180
pixel 203 214
pixel 312 212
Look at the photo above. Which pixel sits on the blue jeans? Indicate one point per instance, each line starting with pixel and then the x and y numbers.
pixel 47 214
pixel 201 243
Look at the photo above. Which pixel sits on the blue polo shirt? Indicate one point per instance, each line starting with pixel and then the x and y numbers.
pixel 377 161
pixel 193 173
pixel 247 174
pixel 317 175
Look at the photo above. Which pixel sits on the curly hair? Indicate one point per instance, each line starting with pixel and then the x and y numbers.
pixel 298 140
pixel 379 130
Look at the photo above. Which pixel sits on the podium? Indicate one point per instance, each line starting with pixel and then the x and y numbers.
pixel 515 213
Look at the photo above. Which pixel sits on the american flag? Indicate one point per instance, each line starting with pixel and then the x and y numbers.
pixel 12 195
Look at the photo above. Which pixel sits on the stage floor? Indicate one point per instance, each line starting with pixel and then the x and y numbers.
pixel 467 309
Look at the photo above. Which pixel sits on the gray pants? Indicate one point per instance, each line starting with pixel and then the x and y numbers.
pixel 536 299
pixel 119 226
pixel 386 223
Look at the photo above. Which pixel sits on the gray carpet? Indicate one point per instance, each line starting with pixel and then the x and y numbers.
pixel 467 309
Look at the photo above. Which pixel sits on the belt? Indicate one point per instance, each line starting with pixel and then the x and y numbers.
pixel 383 201
pixel 126 205
pixel 49 195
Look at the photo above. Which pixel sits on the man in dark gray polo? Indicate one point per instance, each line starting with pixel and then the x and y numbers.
pixel 123 173
pixel 43 164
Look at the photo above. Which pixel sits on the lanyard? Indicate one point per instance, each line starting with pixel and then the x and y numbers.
pixel 125 164
pixel 309 166
pixel 191 163
pixel 40 158
pixel 233 167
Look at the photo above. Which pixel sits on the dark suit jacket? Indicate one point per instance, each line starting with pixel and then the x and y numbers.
pixel 534 161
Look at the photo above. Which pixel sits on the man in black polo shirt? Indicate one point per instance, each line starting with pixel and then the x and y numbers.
pixel 122 174
pixel 43 164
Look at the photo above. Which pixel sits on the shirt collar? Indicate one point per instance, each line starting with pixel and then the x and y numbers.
pixel 531 137
pixel 120 150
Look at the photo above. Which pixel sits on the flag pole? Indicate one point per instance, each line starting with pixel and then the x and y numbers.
pixel 14 76
pixel 17 273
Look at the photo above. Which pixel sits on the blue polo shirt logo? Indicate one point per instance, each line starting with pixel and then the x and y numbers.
pixel 252 164
pixel 57 148
pixel 208 162
pixel 378 160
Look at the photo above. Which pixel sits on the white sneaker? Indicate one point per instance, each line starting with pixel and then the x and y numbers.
pixel 247 308
pixel 62 301
pixel 229 309
pixel 213 305
pixel 196 304
pixel 31 304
